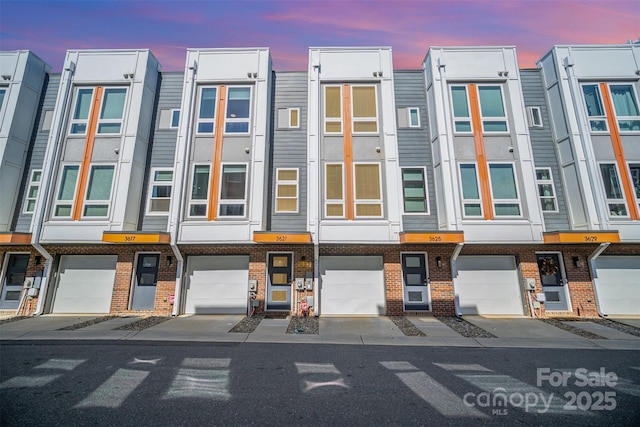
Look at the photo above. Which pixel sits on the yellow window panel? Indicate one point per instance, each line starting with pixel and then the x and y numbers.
pixel 332 102
pixel 286 190
pixel 369 210
pixel 287 175
pixel 279 296
pixel 365 127
pixel 367 182
pixel 334 182
pixel 280 261
pixel 279 279
pixel 286 205
pixel 335 127
pixel 334 209
pixel 293 117
pixel 364 101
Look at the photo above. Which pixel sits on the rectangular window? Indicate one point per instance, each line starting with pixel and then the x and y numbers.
pixel 175 119
pixel 504 189
pixel 80 118
pixel 368 190
pixel 160 186
pixel 461 115
pixel 546 190
pixel 625 105
pixel 613 190
pixel 98 197
pixel 414 117
pixel 595 110
pixel 66 191
pixel 471 202
pixel 288 118
pixel 414 190
pixel 364 109
pixel 199 200
pixel 333 109
pixel 286 190
pixel 32 191
pixel 634 170
pixel 294 117
pixel 233 190
pixel 535 117
pixel 206 110
pixel 334 191
pixel 492 109
pixel 3 92
pixel 238 110
pixel 112 111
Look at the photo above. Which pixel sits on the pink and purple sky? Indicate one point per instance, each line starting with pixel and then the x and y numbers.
pixel 290 27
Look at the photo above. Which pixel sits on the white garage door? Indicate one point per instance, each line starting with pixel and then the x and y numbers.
pixel 617 285
pixel 352 285
pixel 217 284
pixel 85 284
pixel 488 285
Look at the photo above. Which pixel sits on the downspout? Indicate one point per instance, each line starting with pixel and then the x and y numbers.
pixel 454 273
pixel 316 216
pixel 177 207
pixel 592 268
pixel 51 153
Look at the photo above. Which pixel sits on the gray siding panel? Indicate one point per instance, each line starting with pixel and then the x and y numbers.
pixel 289 148
pixel 413 143
pixel 543 147
pixel 37 150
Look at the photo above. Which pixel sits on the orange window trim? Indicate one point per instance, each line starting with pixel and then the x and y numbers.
pixel 616 141
pixel 217 154
pixel 88 151
pixel 348 149
pixel 481 157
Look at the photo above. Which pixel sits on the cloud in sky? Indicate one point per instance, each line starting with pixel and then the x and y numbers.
pixel 290 27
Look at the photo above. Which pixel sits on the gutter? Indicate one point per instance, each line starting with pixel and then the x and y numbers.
pixel 454 274
pixel 592 268
pixel 179 178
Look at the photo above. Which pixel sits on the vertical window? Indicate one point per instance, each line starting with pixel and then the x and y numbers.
pixel 199 191
pixel 368 191
pixel 3 92
pixel 504 190
pixel 112 111
pixel 66 191
pixel 294 117
pixel 333 109
pixel 160 187
pixel 460 102
pixel 238 108
pixel 626 107
pixel 175 119
pixel 613 190
pixel 286 190
pixel 534 116
pixel 233 190
pixel 206 110
pixel 546 190
pixel 81 110
pixel 634 170
pixel 364 109
pixel 334 191
pixel 595 110
pixel 492 109
pixel 414 190
pixel 98 197
pixel 32 191
pixel 471 203
pixel 414 117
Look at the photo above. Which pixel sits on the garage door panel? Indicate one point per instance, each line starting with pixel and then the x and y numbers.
pixel 217 284
pixel 85 284
pixel 617 284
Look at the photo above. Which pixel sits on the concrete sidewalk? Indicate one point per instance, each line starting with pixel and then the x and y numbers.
pixel 518 332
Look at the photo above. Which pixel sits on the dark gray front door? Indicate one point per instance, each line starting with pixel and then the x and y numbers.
pixel 144 292
pixel 13 281
pixel 279 286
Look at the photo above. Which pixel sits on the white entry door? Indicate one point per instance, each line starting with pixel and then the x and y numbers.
pixel 553 281
pixel 415 282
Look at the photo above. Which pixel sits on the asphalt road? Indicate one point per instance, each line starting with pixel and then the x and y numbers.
pixel 195 384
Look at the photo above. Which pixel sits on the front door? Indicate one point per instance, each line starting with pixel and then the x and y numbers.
pixel 279 284
pixel 13 281
pixel 416 283
pixel 144 291
pixel 553 281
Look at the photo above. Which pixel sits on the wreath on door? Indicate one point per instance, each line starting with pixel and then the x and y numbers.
pixel 548 266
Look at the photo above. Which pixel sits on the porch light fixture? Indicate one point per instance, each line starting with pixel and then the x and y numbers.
pixel 37 259
pixel 439 261
pixel 577 263
pixel 169 260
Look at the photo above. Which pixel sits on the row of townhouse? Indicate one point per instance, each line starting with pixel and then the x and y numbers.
pixel 466 186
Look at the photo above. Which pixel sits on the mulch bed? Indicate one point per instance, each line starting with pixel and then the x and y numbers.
pixel 144 323
pixel 309 325
pixel 247 325
pixel 464 328
pixel 13 319
pixel 407 327
pixel 87 323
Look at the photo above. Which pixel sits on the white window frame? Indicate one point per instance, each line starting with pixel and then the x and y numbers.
pixel 635 192
pixel 32 184
pixel 69 202
pixel 4 90
pixel 172 113
pixel 72 120
pixel 86 202
pixel 603 117
pixel 332 119
pixel 328 201
pixel 365 119
pixel 613 105
pixel 289 112
pixel 211 120
pixel 477 201
pixel 153 183
pixel 119 120
pixel 247 120
pixel 461 119
pixel 492 119
pixel 287 182
pixel 497 201
pixel 426 193
pixel 357 201
pixel 409 123
pixel 534 114
pixel 553 189
pixel 193 201
pixel 243 201
pixel 609 201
